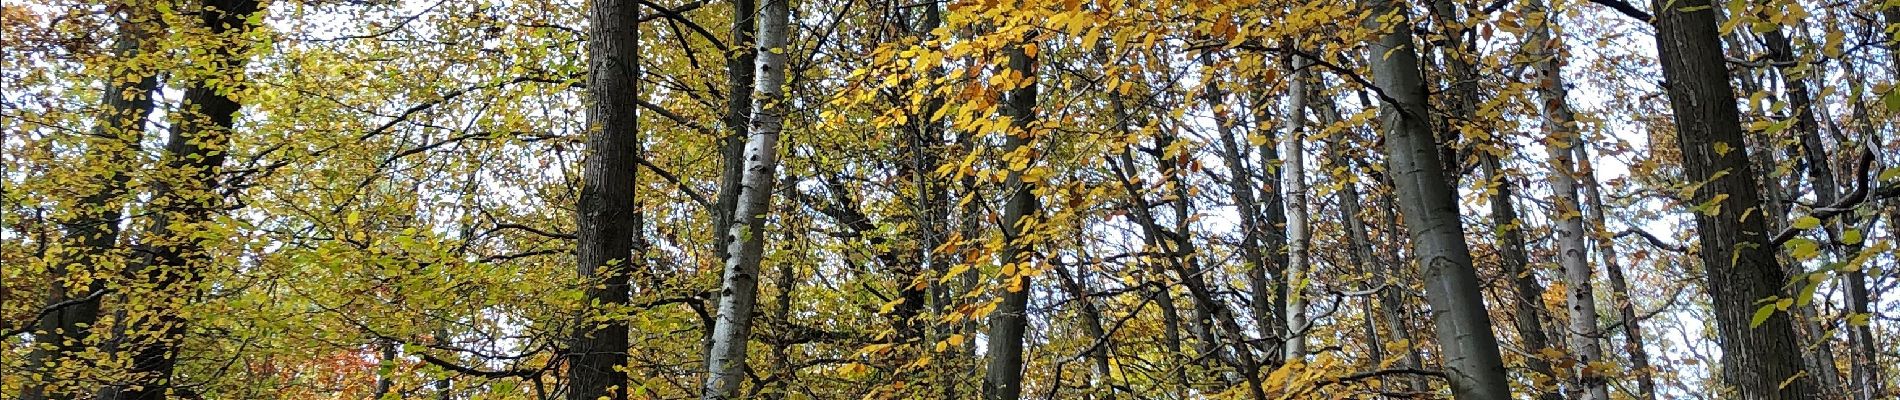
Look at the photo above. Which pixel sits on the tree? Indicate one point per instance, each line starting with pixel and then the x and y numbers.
pixel 1003 377
pixel 1476 371
pixel 1760 359
pixel 738 293
pixel 187 196
pixel 609 208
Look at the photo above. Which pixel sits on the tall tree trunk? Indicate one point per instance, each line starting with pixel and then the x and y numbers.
pixel 1240 185
pixel 1100 343
pixel 1595 212
pixel 739 290
pixel 1293 174
pixel 1572 253
pixel 607 211
pixel 1269 289
pixel 1826 192
pixel 1759 360
pixel 186 197
pixel 91 226
pixel 1528 306
pixel 1470 351
pixel 1003 378
pixel 739 70
pixel 1391 300
pixel 1387 310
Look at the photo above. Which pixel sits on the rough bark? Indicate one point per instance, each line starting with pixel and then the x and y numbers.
pixel 739 287
pixel 1826 191
pixel 185 199
pixel 1003 377
pixel 91 226
pixel 1470 351
pixel 1740 264
pixel 607 211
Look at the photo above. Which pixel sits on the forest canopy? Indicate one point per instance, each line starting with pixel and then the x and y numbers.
pixel 957 199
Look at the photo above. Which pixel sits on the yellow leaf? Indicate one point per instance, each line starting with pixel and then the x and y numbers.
pixel 1807 222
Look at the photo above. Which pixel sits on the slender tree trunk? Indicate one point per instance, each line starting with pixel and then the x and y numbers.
pixel 1240 184
pixel 739 70
pixel 186 197
pixel 1826 191
pixel 91 226
pixel 1003 377
pixel 1387 309
pixel 1269 289
pixel 739 291
pixel 1396 274
pixel 1572 253
pixel 1619 286
pixel 608 214
pixel 1293 174
pixel 1470 351
pixel 1091 321
pixel 1758 359
pixel 1528 306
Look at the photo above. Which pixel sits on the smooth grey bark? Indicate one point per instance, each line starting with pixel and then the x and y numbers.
pixel 187 194
pixel 739 287
pixel 1595 213
pixel 1739 261
pixel 1003 377
pixel 91 227
pixel 607 211
pixel 1572 253
pixel 1469 349
pixel 1293 174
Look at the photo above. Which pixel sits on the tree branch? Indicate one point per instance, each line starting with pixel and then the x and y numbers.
pixel 1627 9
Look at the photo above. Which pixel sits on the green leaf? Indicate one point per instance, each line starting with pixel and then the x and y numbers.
pixel 1807 222
pixel 1761 315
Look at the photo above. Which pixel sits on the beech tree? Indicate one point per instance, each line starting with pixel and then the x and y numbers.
pixel 665 199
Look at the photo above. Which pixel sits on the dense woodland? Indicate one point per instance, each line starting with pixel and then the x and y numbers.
pixel 995 199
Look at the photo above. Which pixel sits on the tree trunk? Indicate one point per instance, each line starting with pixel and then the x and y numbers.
pixel 91 227
pixel 739 65
pixel 1269 289
pixel 1293 174
pixel 1572 253
pixel 1470 351
pixel 1003 378
pixel 1826 192
pixel 1100 343
pixel 1596 213
pixel 739 291
pixel 1758 359
pixel 608 213
pixel 185 199
pixel 1387 310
